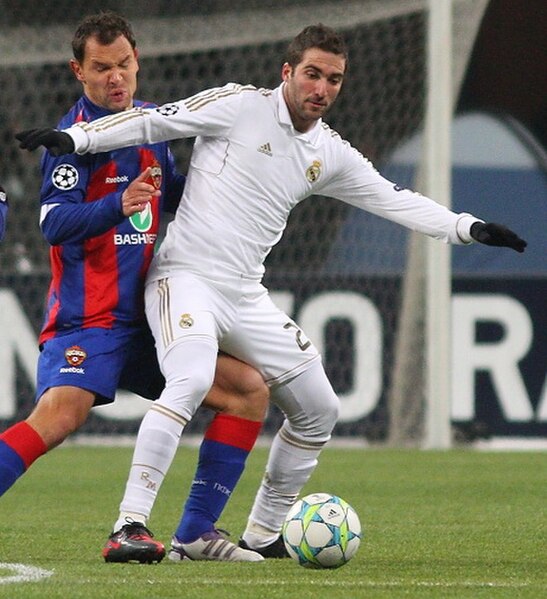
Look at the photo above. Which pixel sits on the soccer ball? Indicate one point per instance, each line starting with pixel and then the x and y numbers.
pixel 322 531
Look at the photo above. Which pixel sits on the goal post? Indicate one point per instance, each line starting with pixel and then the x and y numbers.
pixel 437 183
pixel 422 375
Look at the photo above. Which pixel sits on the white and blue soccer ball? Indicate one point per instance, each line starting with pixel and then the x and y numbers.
pixel 322 531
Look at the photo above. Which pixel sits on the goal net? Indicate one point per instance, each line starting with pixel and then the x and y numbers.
pixel 342 274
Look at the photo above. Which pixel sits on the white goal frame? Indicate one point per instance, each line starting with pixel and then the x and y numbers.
pixel 437 184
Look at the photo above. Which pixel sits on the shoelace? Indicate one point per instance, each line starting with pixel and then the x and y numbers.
pixel 137 530
pixel 222 532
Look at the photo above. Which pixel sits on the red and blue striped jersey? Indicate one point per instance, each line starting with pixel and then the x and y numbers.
pixel 99 257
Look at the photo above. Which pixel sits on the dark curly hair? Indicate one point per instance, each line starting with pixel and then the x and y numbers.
pixel 106 26
pixel 316 36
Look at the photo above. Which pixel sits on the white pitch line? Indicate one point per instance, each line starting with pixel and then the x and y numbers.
pixel 23 573
pixel 468 584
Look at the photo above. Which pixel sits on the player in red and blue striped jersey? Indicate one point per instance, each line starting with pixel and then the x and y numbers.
pixel 102 230
pixel 101 216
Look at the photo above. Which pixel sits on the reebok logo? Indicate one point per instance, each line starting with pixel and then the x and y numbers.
pixel 71 370
pixel 265 149
pixel 118 179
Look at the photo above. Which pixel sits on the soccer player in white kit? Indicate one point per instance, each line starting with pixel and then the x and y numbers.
pixel 258 153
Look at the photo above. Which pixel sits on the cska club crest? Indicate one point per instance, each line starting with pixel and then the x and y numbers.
pixel 156 174
pixel 75 355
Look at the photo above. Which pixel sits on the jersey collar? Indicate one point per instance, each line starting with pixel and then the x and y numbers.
pixel 285 119
pixel 92 111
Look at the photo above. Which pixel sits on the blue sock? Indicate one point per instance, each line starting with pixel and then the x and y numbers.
pixel 222 457
pixel 11 467
pixel 20 446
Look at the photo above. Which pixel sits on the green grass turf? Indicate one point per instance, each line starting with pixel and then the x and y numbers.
pixel 457 524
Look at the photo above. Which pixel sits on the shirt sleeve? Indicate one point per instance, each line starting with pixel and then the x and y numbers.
pixel 358 183
pixel 211 112
pixel 65 216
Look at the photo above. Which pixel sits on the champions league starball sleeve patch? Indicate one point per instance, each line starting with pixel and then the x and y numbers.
pixel 65 177
pixel 168 109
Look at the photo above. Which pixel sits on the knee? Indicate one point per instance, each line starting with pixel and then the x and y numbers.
pixel 188 368
pixel 254 395
pixel 324 416
pixel 238 390
pixel 66 423
pixel 180 386
pixel 59 413
pixel 310 405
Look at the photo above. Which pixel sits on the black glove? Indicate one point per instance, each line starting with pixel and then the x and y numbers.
pixel 57 142
pixel 498 235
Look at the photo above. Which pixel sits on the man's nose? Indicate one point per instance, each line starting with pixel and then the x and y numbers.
pixel 321 87
pixel 115 76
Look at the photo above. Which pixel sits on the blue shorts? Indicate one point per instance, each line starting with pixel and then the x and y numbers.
pixel 101 361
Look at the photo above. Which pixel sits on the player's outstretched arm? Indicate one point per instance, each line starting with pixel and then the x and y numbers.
pixel 497 235
pixel 57 142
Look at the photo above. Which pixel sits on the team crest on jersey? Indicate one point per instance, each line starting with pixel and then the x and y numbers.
pixel 313 172
pixel 65 177
pixel 168 109
pixel 75 355
pixel 186 321
pixel 156 174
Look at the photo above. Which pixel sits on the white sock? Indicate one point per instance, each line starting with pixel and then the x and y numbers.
pixel 257 536
pixel 313 407
pixel 289 468
pixel 156 446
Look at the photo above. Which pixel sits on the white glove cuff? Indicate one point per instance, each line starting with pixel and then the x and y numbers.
pixel 463 227
pixel 79 137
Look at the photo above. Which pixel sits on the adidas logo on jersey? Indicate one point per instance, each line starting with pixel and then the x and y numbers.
pixel 265 149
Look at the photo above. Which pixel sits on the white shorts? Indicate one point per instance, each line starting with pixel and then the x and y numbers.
pixel 243 321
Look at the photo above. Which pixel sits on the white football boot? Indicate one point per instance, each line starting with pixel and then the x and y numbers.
pixel 211 546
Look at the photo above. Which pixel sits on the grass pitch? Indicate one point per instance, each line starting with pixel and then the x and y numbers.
pixel 456 524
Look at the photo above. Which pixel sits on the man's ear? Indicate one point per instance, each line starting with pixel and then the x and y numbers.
pixel 76 68
pixel 286 71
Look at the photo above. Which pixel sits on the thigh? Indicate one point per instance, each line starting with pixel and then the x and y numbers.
pixel 182 307
pixel 267 339
pixel 141 372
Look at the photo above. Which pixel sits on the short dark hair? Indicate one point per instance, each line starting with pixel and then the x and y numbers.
pixel 316 36
pixel 106 26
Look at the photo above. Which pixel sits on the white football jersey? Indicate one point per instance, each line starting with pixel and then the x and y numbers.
pixel 249 169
